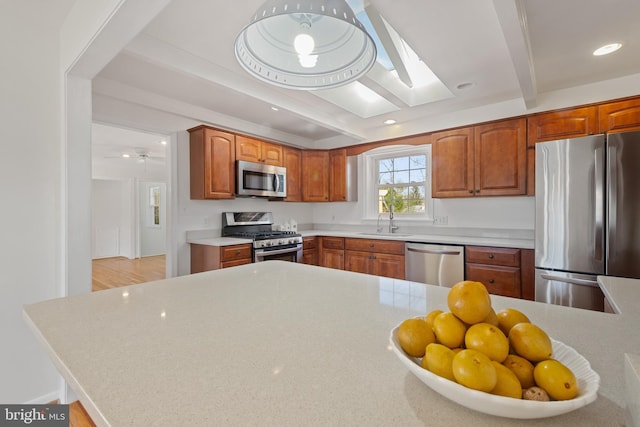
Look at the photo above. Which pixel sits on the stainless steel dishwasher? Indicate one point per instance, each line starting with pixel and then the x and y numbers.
pixel 440 265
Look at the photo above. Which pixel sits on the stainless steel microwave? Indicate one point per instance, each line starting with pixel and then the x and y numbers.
pixel 256 179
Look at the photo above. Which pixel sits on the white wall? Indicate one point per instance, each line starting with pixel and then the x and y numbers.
pixel 30 99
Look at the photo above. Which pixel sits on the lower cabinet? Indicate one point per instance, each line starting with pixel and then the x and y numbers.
pixel 310 250
pixel 504 271
pixel 206 257
pixel 332 252
pixel 378 257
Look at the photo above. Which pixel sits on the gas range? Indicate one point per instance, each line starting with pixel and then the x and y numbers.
pixel 267 243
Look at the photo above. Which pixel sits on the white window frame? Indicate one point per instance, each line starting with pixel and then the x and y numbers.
pixel 370 196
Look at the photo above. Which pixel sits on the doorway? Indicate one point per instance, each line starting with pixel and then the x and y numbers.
pixel 129 206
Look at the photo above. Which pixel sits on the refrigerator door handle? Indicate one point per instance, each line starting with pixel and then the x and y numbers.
pixel 612 205
pixel 569 280
pixel 598 170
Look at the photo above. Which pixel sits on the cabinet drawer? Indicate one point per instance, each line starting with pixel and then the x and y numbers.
pixel 309 243
pixel 503 281
pixel 379 246
pixel 495 256
pixel 236 252
pixel 234 263
pixel 333 242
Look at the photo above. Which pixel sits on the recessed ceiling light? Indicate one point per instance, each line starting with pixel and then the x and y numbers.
pixel 275 108
pixel 163 142
pixel 607 49
pixel 465 85
pixel 126 156
pixel 389 122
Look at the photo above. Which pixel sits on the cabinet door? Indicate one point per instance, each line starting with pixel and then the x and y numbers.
pixel 293 163
pixel 387 265
pixel 333 258
pixel 503 281
pixel 310 256
pixel 562 124
pixel 620 116
pixel 338 175
pixel 212 164
pixel 357 261
pixel 248 149
pixel 452 163
pixel 272 154
pixel 315 176
pixel 501 158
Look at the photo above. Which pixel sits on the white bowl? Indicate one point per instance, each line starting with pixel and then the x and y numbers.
pixel 588 383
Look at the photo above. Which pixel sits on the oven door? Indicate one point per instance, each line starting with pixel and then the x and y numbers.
pixel 292 253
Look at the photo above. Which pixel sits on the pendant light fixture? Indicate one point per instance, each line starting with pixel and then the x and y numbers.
pixel 310 44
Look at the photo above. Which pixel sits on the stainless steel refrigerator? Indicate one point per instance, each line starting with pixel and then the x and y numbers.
pixel 587 216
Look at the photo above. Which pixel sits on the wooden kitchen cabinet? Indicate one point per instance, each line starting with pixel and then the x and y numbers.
pixel 338 175
pixel 620 116
pixel 332 252
pixel 212 163
pixel 378 257
pixel 484 160
pixel 206 257
pixel 257 151
pixel 292 161
pixel 315 176
pixel 504 271
pixel 571 123
pixel 310 250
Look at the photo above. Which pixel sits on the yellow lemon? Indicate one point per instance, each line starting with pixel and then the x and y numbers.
pixel 508 317
pixel 474 370
pixel 556 379
pixel 489 340
pixel 414 336
pixel 507 384
pixel 438 359
pixel 522 368
pixel 449 330
pixel 469 301
pixel 530 342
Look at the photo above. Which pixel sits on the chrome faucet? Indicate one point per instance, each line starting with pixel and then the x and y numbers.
pixel 392 228
pixel 379 227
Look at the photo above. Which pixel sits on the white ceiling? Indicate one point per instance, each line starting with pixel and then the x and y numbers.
pixel 181 70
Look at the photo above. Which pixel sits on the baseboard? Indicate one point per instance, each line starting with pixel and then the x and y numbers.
pixel 43 400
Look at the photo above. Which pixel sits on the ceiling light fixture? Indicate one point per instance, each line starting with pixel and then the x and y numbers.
pixel 607 49
pixel 305 44
pixel 126 156
pixel 389 122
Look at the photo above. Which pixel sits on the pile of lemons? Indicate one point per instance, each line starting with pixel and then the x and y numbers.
pixel 500 353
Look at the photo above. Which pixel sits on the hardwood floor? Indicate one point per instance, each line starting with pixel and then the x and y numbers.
pixel 120 271
pixel 78 416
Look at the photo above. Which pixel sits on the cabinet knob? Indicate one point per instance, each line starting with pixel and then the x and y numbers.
pixel 490 256
pixel 371 245
pixel 477 191
pixel 491 281
pixel 470 191
pixel 237 252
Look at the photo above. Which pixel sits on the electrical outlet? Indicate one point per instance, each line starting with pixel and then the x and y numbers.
pixel 440 220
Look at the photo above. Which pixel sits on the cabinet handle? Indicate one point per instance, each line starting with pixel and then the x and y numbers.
pixel 477 191
pixel 491 281
pixel 237 252
pixel 470 191
pixel 371 245
pixel 490 256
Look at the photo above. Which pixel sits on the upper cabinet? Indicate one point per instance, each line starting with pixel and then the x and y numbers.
pixel 620 116
pixel 338 175
pixel 212 163
pixel 293 163
pixel 563 124
pixel 257 151
pixel 484 160
pixel 315 176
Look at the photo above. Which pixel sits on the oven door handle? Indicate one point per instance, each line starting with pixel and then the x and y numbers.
pixel 277 251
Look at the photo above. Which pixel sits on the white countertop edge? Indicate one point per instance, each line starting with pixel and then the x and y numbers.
pixel 621 293
pixel 632 389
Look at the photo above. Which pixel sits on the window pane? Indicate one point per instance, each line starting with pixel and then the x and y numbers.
pixel 385 178
pixel 401 177
pixel 418 162
pixel 417 175
pixel 401 163
pixel 385 165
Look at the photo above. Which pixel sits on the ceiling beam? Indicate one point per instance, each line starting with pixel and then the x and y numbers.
pixel 513 20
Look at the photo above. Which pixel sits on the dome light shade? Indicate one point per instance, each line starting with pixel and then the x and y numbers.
pixel 312 44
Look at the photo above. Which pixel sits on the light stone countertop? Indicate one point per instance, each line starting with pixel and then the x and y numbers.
pixel 287 344
pixel 475 240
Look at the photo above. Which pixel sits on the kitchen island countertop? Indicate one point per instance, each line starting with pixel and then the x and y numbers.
pixel 286 344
